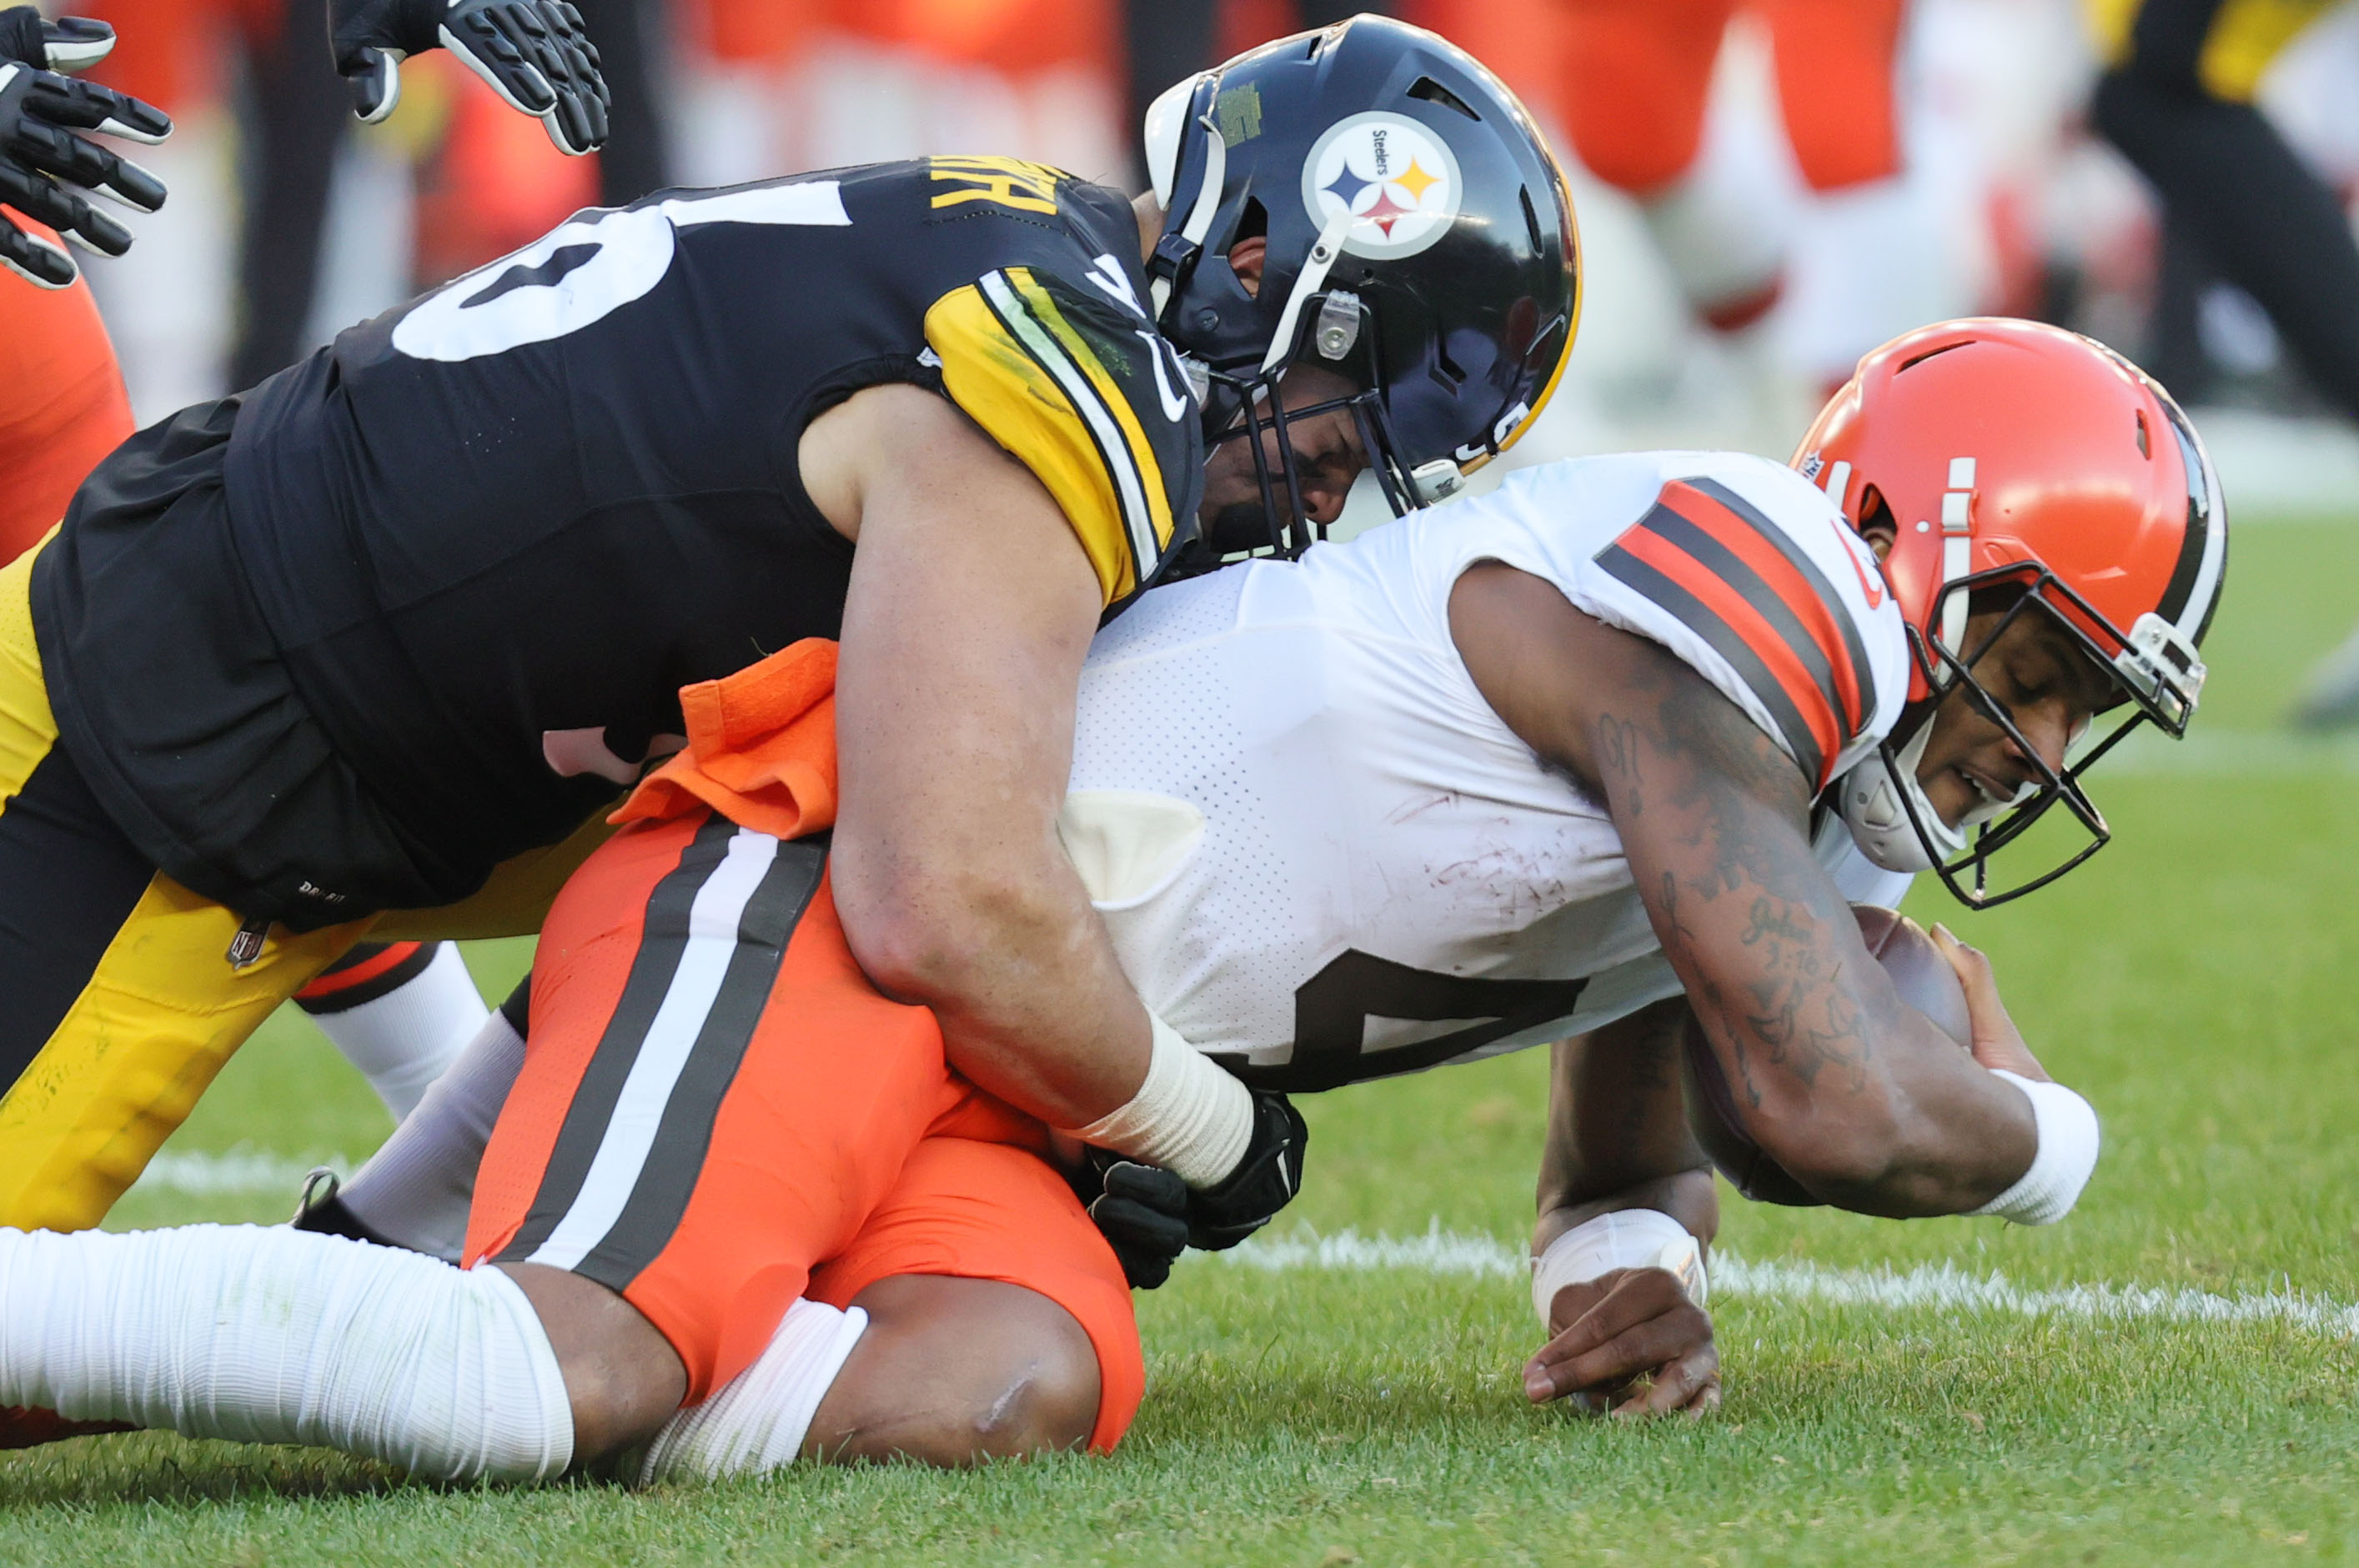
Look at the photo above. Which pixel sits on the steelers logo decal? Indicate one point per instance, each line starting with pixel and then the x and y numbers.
pixel 1398 179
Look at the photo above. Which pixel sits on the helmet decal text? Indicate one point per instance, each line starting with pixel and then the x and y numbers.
pixel 1398 179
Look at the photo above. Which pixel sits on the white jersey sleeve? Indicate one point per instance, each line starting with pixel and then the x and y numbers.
pixel 1739 565
pixel 1324 858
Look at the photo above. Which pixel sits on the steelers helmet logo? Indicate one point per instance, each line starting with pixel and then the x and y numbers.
pixel 1398 179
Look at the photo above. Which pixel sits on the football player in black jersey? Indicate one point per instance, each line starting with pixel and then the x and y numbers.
pixel 390 632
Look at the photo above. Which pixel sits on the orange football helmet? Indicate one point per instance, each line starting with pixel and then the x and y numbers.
pixel 2013 455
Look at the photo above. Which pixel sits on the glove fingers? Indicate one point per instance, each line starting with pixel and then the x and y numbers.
pixel 486 43
pixel 34 260
pixel 1136 1223
pixel 67 157
pixel 131 118
pixel 94 231
pixel 76 43
pixel 22 36
pixel 1150 1184
pixel 58 101
pixel 74 217
pixel 136 186
pixel 374 77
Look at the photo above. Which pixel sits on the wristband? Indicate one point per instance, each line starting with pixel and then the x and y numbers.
pixel 2062 1165
pixel 1625 1239
pixel 1190 1116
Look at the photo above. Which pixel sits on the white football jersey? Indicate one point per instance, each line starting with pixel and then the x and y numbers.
pixel 1323 856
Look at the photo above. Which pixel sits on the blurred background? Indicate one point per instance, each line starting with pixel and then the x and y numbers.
pixel 1765 188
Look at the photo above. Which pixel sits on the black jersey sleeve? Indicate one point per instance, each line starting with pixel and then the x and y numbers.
pixel 1073 381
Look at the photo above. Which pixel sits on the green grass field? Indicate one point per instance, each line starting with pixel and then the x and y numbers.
pixel 2195 981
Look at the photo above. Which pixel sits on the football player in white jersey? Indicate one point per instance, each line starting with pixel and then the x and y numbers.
pixel 1535 765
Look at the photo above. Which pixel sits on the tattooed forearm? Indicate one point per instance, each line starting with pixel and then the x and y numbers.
pixel 1725 784
pixel 1860 1096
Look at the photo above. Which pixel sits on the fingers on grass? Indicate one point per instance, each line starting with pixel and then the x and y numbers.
pixel 1680 1385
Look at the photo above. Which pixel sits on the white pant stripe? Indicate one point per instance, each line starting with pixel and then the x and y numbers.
pixel 638 1111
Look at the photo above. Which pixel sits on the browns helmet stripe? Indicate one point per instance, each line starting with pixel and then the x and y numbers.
pixel 2203 551
pixel 1674 580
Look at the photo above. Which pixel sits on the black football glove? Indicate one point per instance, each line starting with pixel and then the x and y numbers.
pixel 1264 1182
pixel 1140 1209
pixel 533 52
pixel 45 160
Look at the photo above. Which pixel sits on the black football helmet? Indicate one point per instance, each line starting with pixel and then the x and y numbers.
pixel 1419 241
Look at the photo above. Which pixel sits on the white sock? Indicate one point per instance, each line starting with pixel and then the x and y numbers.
pixel 265 1335
pixel 757 1422
pixel 402 1038
pixel 416 1188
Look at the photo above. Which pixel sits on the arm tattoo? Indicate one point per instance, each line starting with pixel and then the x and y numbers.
pixel 1722 788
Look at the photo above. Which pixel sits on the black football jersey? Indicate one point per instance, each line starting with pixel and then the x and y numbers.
pixel 491 533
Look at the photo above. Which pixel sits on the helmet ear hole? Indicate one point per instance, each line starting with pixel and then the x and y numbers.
pixel 1875 523
pixel 1876 513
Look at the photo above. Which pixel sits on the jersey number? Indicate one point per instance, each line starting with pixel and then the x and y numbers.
pixel 1332 1009
pixel 588 267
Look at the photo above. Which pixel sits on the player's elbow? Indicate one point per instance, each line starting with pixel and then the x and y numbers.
pixel 924 934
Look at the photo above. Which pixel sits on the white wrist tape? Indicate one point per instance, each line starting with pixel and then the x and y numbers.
pixel 1626 1239
pixel 2063 1162
pixel 1189 1116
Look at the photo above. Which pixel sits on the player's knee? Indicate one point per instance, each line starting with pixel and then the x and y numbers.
pixel 955 1371
pixel 1046 1405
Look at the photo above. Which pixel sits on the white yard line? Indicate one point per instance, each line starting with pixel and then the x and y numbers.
pixel 241 1169
pixel 1942 1287
pixel 1935 1287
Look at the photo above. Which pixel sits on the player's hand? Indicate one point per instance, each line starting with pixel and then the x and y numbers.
pixel 1140 1209
pixel 1265 1181
pixel 1998 1043
pixel 533 52
pixel 1628 1343
pixel 45 161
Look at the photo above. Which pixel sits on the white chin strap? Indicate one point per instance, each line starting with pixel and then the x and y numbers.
pixel 1870 799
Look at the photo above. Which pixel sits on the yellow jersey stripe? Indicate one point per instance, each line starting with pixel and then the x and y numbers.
pixel 1155 515
pixel 997 382
pixel 1105 431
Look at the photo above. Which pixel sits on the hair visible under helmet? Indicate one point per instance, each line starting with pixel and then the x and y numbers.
pixel 1420 243
pixel 2022 458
